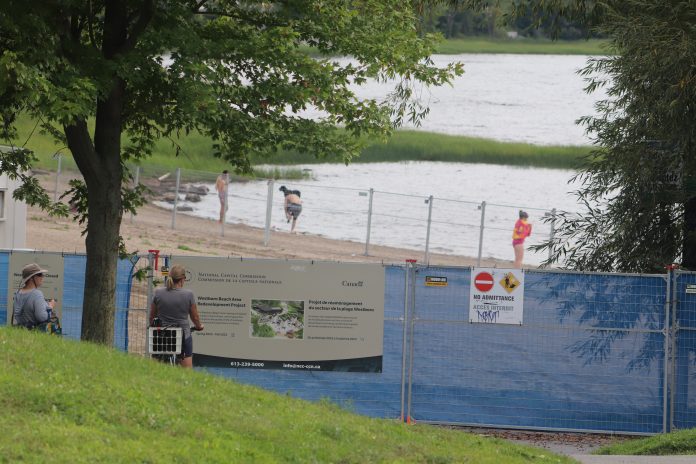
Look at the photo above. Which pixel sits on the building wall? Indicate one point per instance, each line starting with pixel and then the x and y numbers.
pixel 13 216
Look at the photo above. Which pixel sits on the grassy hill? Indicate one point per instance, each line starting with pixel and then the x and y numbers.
pixel 68 401
pixel 675 443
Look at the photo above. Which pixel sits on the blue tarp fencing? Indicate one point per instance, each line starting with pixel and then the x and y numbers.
pixel 596 352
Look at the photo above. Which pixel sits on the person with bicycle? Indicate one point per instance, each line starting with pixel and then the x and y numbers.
pixel 174 305
pixel 31 309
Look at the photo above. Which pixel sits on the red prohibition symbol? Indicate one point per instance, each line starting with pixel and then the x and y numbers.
pixel 483 281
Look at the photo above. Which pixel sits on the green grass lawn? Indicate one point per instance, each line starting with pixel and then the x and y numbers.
pixel 681 442
pixel 68 401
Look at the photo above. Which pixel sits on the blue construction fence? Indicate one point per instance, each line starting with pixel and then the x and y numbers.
pixel 73 295
pixel 596 352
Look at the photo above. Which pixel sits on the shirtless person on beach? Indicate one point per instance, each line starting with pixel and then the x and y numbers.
pixel 293 205
pixel 221 186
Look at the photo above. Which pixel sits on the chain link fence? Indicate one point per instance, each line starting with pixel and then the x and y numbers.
pixel 596 352
pixel 423 223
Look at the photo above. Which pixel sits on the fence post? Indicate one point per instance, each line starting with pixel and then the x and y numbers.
pixel 176 197
pixel 55 191
pixel 553 230
pixel 676 273
pixel 150 288
pixel 136 182
pixel 224 205
pixel 269 210
pixel 369 223
pixel 411 322
pixel 483 220
pixel 407 287
pixel 668 368
pixel 429 201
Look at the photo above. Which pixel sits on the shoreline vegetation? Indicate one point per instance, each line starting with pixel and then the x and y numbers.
pixel 518 46
pixel 523 46
pixel 404 145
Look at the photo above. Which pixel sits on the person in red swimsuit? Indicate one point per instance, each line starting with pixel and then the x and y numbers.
pixel 521 231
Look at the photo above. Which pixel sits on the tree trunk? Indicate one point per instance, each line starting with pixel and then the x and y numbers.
pixel 689 245
pixel 101 168
pixel 100 165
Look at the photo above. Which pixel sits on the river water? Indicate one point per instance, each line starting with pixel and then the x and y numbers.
pixel 336 205
pixel 523 98
pixel 514 98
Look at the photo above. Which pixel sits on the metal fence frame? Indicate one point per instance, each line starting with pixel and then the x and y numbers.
pixel 478 225
pixel 393 394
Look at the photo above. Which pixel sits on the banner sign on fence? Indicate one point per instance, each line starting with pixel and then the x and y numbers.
pixel 52 286
pixel 296 315
pixel 497 296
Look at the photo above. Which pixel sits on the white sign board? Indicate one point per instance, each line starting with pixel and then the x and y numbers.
pixel 272 314
pixel 496 296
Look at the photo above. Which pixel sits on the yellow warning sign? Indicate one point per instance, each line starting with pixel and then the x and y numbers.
pixel 432 281
pixel 509 282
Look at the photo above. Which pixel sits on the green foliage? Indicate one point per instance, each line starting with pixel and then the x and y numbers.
pixel 232 71
pixel 639 184
pixel 16 163
pixel 523 46
pixel 66 401
pixel 680 442
pixel 260 329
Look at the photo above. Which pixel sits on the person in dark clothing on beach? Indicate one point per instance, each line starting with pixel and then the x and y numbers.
pixel 293 205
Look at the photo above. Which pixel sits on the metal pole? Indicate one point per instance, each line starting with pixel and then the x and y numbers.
pixel 176 197
pixel 55 191
pixel 483 219
pixel 136 182
pixel 553 230
pixel 404 323
pixel 427 234
pixel 269 210
pixel 673 333
pixel 666 369
pixel 150 286
pixel 224 205
pixel 411 343
pixel 369 224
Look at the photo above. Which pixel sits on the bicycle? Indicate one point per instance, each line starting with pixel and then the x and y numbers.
pixel 165 344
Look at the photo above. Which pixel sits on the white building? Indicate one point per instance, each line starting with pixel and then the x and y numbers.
pixel 13 214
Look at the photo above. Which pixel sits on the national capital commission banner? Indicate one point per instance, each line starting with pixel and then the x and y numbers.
pixel 52 286
pixel 294 315
pixel 497 296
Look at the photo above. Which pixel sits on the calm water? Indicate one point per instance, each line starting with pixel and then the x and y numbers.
pixel 336 204
pixel 521 98
pixel 525 98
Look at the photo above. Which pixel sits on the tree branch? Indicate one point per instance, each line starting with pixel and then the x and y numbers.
pixel 145 15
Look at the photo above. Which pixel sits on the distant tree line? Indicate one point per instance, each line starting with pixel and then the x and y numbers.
pixel 459 18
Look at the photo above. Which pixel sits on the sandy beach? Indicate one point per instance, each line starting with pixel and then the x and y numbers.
pixel 152 229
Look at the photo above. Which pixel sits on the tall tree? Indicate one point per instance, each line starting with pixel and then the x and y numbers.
pixel 91 71
pixel 639 184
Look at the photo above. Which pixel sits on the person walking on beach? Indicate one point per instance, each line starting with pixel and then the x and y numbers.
pixel 521 231
pixel 221 185
pixel 293 205
pixel 173 305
